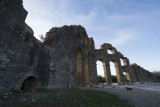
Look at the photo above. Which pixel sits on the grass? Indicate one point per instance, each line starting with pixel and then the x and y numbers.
pixel 71 98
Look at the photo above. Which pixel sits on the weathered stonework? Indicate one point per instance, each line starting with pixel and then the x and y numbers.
pixel 139 74
pixel 67 58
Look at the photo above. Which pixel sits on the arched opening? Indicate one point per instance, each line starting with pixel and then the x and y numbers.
pixel 122 62
pixel 113 72
pixel 86 71
pixel 79 37
pixel 100 72
pixel 29 84
pixel 109 51
pixel 79 68
pixel 125 77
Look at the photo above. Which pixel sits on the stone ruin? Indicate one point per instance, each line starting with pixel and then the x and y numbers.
pixel 67 58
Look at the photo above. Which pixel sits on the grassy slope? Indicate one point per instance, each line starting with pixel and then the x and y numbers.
pixel 65 97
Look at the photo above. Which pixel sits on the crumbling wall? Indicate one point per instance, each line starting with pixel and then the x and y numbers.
pixel 69 48
pixel 21 54
pixel 103 56
pixel 141 75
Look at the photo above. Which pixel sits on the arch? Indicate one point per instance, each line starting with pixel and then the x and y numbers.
pixel 126 69
pixel 79 68
pixel 122 61
pixel 119 72
pixel 79 37
pixel 29 84
pixel 111 51
pixel 113 71
pixel 104 72
pixel 86 71
pixel 125 77
pixel 100 68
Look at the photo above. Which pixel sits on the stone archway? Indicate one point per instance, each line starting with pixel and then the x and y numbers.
pixel 119 72
pixel 111 51
pixel 113 71
pixel 126 68
pixel 106 70
pixel 29 84
pixel 100 70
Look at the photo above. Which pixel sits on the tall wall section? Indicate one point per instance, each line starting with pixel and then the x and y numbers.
pixel 139 74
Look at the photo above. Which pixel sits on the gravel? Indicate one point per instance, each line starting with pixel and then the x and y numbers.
pixel 138 97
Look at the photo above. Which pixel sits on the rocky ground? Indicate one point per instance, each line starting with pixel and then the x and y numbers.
pixel 141 95
pixel 73 97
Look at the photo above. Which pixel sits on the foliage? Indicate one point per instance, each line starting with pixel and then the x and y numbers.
pixel 101 79
pixel 42 38
pixel 125 78
pixel 114 78
pixel 157 74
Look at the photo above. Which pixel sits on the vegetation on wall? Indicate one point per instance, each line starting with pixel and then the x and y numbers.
pixel 157 73
pixel 102 79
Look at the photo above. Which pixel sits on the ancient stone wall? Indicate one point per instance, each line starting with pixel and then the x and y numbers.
pixel 139 74
pixel 21 54
pixel 67 58
pixel 103 56
pixel 69 48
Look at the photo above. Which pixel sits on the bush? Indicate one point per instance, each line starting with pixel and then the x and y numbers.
pixel 101 79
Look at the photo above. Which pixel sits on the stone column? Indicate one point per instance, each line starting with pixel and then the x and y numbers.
pixel 128 73
pixel 107 72
pixel 79 72
pixel 83 72
pixel 86 71
pixel 92 70
pixel 119 73
pixel 150 77
pixel 133 74
pixel 128 76
pixel 142 74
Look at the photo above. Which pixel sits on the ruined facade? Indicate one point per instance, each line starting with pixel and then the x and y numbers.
pixel 139 74
pixel 67 57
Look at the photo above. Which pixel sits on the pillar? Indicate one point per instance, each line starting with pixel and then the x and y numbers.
pixel 119 72
pixel 107 72
pixel 86 71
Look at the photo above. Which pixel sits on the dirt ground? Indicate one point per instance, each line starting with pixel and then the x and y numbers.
pixel 141 95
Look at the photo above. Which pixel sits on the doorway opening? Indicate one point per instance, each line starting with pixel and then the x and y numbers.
pixel 29 84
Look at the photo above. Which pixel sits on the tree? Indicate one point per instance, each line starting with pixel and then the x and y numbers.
pixel 42 38
pixel 114 78
pixel 157 74
pixel 101 79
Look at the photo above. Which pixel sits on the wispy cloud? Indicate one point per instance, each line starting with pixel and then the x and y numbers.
pixel 124 36
pixel 104 26
pixel 57 13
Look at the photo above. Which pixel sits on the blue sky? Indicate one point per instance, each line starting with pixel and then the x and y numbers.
pixel 132 26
